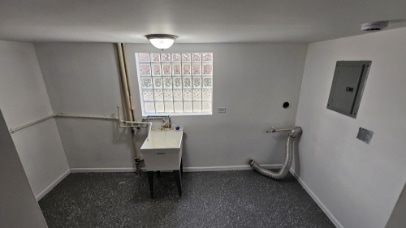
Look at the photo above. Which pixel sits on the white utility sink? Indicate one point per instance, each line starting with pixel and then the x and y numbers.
pixel 162 150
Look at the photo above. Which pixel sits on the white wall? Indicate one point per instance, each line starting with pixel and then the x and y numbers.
pixel 83 79
pixel 23 99
pixel 397 218
pixel 18 207
pixel 358 183
pixel 251 80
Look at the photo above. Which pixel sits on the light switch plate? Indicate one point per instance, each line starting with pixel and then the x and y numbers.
pixel 365 135
pixel 221 110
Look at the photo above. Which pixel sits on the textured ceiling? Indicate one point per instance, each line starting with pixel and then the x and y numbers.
pixel 205 21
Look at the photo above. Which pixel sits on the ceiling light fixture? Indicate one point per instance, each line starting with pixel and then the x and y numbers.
pixel 374 26
pixel 161 41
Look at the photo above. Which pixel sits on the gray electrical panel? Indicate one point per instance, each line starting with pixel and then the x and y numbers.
pixel 347 87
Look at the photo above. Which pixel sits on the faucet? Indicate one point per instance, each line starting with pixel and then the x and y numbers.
pixel 165 125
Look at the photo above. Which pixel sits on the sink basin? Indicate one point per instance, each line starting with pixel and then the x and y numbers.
pixel 162 150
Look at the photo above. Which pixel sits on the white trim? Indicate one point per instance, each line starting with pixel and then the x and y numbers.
pixel 101 170
pixel 316 199
pixel 186 169
pixel 228 168
pixel 52 185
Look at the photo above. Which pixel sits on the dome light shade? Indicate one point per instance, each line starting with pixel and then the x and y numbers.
pixel 161 41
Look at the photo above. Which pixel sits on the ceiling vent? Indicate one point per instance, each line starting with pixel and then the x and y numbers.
pixel 374 26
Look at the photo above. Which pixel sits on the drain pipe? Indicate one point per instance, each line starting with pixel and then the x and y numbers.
pixel 283 172
pixel 125 88
pixel 124 83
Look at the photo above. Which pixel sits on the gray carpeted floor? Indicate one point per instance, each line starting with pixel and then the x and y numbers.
pixel 210 199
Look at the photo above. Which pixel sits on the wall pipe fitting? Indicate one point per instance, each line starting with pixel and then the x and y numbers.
pixel 132 124
pixel 290 145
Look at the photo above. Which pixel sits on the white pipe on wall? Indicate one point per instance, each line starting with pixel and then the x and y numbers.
pixel 62 115
pixel 94 117
pixel 124 80
pixel 13 130
pixel 127 101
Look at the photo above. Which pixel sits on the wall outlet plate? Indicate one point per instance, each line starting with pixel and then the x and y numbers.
pixel 365 135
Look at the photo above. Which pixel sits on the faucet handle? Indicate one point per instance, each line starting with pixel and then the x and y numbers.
pixel 166 125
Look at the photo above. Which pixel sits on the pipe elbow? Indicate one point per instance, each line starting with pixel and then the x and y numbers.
pixel 296 131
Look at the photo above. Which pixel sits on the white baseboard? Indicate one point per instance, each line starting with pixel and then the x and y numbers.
pixel 102 170
pixel 52 185
pixel 186 169
pixel 228 168
pixel 316 199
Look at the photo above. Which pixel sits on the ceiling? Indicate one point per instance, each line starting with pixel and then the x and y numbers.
pixel 194 21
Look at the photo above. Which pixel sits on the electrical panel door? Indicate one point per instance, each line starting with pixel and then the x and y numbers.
pixel 347 87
